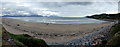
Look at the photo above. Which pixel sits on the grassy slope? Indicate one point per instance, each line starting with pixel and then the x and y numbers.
pixel 115 29
pixel 25 40
pixel 5 43
pixel 28 41
pixel 114 39
pixel 0 34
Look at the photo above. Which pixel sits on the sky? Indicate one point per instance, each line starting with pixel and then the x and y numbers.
pixel 58 8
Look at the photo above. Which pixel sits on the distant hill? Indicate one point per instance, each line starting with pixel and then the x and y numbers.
pixel 22 16
pixel 29 16
pixel 106 16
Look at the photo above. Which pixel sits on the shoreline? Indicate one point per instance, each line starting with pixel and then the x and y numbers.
pixel 58 31
pixel 55 23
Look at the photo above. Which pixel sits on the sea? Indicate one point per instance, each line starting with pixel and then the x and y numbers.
pixel 60 20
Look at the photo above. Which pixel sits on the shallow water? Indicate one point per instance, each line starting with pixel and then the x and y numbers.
pixel 59 20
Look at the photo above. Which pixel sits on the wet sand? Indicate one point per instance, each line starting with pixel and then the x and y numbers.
pixel 51 33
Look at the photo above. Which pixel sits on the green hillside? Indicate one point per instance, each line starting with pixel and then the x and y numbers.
pixel 105 16
pixel 114 39
pixel 0 34
pixel 23 40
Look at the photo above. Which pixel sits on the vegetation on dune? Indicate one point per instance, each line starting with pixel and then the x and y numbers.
pixel 5 42
pixel 115 29
pixel 25 40
pixel 29 41
pixel 114 39
pixel 0 29
pixel 0 34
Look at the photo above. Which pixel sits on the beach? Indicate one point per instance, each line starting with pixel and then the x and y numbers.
pixel 51 33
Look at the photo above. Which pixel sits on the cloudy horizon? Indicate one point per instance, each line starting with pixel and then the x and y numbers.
pixel 63 9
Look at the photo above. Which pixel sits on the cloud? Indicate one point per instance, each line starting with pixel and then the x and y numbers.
pixel 24 4
pixel 50 13
pixel 65 9
pixel 79 3
pixel 62 4
pixel 60 0
pixel 26 9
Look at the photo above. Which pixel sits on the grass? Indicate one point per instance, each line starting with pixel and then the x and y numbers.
pixel 25 40
pixel 114 39
pixel 0 34
pixel 0 29
pixel 115 29
pixel 28 41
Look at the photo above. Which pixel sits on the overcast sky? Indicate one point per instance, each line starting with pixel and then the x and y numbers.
pixel 58 8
